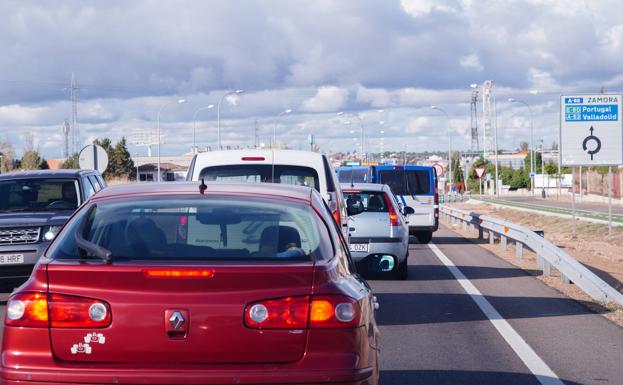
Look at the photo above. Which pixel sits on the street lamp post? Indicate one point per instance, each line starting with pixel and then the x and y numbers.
pixel 208 107
pixel 449 145
pixel 532 160
pixel 543 171
pixel 363 156
pixel 361 129
pixel 218 113
pixel 275 126
pixel 179 101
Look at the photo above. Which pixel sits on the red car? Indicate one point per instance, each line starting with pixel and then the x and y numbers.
pixel 194 284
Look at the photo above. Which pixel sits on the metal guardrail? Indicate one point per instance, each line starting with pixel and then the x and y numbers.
pixel 547 253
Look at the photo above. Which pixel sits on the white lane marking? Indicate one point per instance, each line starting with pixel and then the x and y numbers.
pixel 537 366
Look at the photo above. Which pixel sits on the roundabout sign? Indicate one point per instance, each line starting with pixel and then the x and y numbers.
pixel 591 130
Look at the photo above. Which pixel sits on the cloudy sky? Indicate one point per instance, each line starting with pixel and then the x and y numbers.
pixel 316 57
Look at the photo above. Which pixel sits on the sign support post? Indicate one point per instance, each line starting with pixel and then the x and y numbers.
pixel 573 197
pixel 609 201
pixel 580 183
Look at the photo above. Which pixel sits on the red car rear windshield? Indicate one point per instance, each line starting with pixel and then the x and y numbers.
pixel 198 228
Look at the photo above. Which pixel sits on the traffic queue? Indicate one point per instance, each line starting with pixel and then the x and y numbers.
pixel 213 280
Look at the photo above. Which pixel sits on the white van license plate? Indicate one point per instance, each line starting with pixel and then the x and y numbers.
pixel 11 259
pixel 359 247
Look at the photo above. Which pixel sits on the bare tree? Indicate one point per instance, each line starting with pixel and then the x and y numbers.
pixel 31 158
pixel 8 154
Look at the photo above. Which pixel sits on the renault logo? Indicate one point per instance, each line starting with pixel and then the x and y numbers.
pixel 176 320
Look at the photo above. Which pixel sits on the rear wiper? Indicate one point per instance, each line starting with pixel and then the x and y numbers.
pixel 88 246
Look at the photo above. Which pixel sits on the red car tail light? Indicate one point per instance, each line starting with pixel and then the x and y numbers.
pixel 334 312
pixel 67 311
pixel 56 310
pixel 282 313
pixel 393 216
pixel 322 312
pixel 252 158
pixel 337 217
pixel 28 310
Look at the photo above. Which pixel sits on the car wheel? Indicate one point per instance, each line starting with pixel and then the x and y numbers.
pixel 402 270
pixel 424 236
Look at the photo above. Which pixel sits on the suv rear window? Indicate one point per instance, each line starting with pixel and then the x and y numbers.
pixel 407 182
pixel 294 175
pixel 213 228
pixel 372 201
pixel 353 176
pixel 39 194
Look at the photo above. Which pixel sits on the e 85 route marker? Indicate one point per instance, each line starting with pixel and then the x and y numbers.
pixel 591 130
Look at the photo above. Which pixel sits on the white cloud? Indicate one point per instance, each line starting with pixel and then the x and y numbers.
pixel 419 125
pixel 416 8
pixel 472 62
pixel 327 98
pixel 376 97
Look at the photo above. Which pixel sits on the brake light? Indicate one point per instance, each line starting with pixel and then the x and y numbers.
pixel 321 311
pixel 351 191
pixel 253 158
pixel 337 217
pixel 28 310
pixel 333 311
pixel 182 228
pixel 197 273
pixel 282 313
pixel 399 168
pixel 56 310
pixel 393 216
pixel 436 191
pixel 76 312
pixel 300 313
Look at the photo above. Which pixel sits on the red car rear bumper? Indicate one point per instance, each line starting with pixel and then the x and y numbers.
pixel 268 376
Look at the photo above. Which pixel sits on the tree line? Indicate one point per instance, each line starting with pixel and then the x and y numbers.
pixel 120 163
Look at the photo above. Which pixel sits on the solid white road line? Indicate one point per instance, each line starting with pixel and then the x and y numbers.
pixel 537 366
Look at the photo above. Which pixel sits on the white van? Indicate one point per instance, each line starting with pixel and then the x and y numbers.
pixel 277 166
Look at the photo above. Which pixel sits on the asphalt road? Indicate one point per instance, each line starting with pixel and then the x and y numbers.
pixel 436 329
pixel 433 332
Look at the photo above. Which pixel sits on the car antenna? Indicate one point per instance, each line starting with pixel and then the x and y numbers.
pixel 202 186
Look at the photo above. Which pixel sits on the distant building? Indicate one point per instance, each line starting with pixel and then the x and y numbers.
pixel 169 172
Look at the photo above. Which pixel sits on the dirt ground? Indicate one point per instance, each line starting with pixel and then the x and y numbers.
pixel 591 246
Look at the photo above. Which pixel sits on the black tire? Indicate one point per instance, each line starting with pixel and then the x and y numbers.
pixel 402 270
pixel 424 236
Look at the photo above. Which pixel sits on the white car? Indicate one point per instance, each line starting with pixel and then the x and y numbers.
pixel 303 168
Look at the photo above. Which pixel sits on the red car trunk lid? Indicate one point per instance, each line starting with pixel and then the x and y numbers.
pixel 208 307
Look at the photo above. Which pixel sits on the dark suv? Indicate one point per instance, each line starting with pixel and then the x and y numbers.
pixel 34 205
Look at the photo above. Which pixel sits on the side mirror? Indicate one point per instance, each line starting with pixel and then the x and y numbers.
pixel 408 210
pixel 354 208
